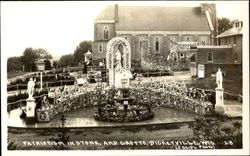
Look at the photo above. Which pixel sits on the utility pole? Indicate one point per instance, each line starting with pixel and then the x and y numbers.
pixel 41 81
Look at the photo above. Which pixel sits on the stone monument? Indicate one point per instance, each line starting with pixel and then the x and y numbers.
pixel 118 64
pixel 30 102
pixel 219 105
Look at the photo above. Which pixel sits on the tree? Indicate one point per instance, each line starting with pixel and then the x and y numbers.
pixel 28 58
pixel 47 65
pixel 66 60
pixel 80 50
pixel 42 53
pixel 224 24
pixel 30 55
pixel 14 64
pixel 55 64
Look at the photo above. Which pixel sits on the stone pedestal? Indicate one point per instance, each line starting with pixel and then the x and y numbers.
pixel 122 78
pixel 219 105
pixel 30 110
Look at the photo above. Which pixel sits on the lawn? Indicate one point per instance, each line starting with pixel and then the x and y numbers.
pixel 231 85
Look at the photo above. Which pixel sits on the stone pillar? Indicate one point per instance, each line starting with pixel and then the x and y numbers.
pixel 30 110
pixel 149 43
pixel 219 103
pixel 165 45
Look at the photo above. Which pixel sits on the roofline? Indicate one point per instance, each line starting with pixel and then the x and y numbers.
pixel 215 47
pixel 104 21
pixel 228 35
pixel 165 32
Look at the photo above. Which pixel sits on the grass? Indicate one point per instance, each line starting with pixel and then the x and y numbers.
pixel 231 85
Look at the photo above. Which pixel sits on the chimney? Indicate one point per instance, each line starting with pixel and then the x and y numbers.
pixel 116 13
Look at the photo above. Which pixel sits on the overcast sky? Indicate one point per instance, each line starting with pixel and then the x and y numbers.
pixel 59 27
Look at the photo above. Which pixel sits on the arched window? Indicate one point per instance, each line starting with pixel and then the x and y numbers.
pixel 172 40
pixel 203 41
pixel 106 33
pixel 182 55
pixel 140 44
pixel 187 39
pixel 100 48
pixel 157 44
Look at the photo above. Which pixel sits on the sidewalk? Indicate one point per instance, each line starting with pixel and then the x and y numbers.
pixel 233 108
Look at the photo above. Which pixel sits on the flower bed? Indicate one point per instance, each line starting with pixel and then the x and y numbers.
pixel 77 97
pixel 152 73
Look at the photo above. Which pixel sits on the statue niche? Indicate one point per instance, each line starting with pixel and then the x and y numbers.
pixel 118 58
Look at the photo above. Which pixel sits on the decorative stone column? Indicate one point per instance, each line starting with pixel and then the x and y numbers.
pixel 219 105
pixel 30 110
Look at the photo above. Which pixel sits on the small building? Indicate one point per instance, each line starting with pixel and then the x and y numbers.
pixel 40 65
pixel 233 37
pixel 227 55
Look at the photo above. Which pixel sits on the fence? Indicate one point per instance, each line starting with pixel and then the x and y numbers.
pixel 20 103
pixel 71 82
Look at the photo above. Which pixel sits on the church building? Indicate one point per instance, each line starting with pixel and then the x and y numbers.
pixel 155 29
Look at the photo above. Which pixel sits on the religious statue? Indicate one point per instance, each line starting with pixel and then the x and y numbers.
pixel 219 79
pixel 88 57
pixel 31 86
pixel 118 57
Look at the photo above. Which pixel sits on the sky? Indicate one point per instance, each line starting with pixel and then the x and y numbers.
pixel 59 27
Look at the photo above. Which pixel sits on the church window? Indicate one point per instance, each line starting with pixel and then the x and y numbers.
pixel 203 41
pixel 235 57
pixel 172 42
pixel 106 33
pixel 157 44
pixel 100 48
pixel 182 55
pixel 210 57
pixel 140 44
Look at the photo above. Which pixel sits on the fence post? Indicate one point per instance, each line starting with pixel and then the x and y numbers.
pixel 16 86
pixel 61 82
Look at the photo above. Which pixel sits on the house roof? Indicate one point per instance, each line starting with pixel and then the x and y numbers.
pixel 156 18
pixel 40 61
pixel 214 47
pixel 231 32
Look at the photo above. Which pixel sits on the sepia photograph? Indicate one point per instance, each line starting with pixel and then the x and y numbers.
pixel 125 77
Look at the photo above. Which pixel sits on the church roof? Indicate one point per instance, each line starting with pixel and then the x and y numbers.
pixel 231 32
pixel 156 18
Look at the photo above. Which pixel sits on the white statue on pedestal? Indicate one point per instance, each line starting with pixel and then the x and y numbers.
pixel 219 79
pixel 88 57
pixel 118 57
pixel 31 86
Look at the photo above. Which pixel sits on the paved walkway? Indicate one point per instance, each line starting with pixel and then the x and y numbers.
pixel 85 118
pixel 233 108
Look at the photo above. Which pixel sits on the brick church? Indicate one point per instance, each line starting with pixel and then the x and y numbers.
pixel 154 29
